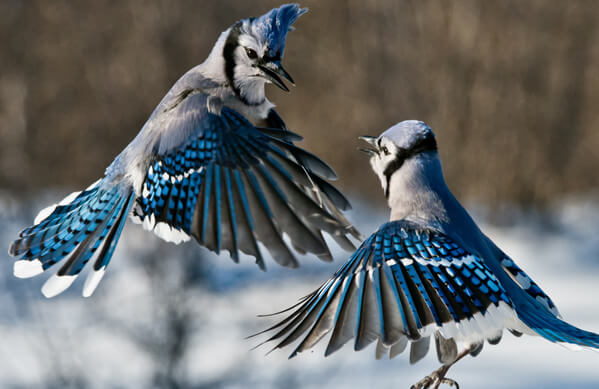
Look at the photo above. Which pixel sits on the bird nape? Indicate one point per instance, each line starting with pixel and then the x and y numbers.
pixel 214 161
pixel 429 271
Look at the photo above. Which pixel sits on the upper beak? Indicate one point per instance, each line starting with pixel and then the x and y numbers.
pixel 273 71
pixel 371 141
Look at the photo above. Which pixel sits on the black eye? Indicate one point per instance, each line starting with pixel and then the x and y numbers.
pixel 385 150
pixel 251 53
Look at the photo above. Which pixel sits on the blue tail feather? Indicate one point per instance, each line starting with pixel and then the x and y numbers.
pixel 41 240
pixel 73 235
pixel 92 241
pixel 114 235
pixel 74 232
pixel 58 213
pixel 550 327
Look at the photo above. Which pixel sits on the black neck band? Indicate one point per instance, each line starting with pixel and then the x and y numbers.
pixel 229 55
pixel 428 143
pixel 231 44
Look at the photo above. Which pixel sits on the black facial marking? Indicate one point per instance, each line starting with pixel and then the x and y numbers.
pixel 392 168
pixel 269 58
pixel 428 143
pixel 231 44
pixel 229 55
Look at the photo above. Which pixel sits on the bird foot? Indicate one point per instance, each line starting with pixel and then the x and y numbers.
pixel 435 379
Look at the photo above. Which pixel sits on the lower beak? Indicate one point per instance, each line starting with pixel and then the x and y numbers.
pixel 370 152
pixel 273 71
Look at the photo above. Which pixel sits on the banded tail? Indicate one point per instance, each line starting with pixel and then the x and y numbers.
pixel 554 329
pixel 71 232
pixel 544 319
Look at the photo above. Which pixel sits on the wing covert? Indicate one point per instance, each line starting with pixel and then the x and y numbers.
pixel 402 284
pixel 233 186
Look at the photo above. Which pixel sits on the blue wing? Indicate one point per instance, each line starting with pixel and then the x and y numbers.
pixel 401 285
pixel 336 198
pixel 529 286
pixel 232 186
pixel 543 317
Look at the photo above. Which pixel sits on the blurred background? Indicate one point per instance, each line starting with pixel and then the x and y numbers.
pixel 510 88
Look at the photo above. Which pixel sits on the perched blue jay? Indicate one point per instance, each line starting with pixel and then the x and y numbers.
pixel 214 161
pixel 429 271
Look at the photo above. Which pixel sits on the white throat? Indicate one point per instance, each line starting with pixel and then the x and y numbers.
pixel 251 88
pixel 417 190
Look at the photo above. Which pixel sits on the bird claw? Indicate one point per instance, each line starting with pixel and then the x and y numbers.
pixel 435 379
pixel 423 383
pixel 450 382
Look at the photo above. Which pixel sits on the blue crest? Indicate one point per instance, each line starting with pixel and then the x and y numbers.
pixel 275 24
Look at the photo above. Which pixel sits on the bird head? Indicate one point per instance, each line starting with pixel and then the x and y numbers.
pixel 389 151
pixel 254 49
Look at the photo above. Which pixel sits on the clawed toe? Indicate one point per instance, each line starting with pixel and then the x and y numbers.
pixel 424 383
pixel 435 379
pixel 450 382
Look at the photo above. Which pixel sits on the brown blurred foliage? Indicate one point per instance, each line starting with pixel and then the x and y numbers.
pixel 510 87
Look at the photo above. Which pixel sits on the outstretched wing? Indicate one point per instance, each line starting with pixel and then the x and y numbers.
pixel 336 201
pixel 401 286
pixel 232 186
pixel 320 190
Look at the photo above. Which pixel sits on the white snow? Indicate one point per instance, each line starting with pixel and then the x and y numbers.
pixel 108 339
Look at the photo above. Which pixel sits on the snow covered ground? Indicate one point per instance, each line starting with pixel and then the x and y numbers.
pixel 150 321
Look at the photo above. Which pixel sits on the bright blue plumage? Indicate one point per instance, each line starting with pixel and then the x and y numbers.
pixel 250 163
pixel 275 24
pixel 422 274
pixel 430 271
pixel 74 233
pixel 528 284
pixel 203 166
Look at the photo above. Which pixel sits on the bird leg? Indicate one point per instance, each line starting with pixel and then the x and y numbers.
pixel 437 377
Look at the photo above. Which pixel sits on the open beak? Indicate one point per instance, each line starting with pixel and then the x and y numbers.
pixel 273 71
pixel 371 140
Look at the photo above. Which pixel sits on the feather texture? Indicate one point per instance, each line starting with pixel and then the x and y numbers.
pixel 233 186
pixel 526 283
pixel 199 169
pixel 90 224
pixel 403 284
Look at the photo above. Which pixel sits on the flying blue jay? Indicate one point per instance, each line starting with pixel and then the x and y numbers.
pixel 214 162
pixel 429 271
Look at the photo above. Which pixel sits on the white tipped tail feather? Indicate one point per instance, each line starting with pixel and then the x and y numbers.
pixel 27 269
pixel 56 285
pixel 44 213
pixel 92 281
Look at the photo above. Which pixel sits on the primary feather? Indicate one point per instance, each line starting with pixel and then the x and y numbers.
pixel 214 162
pixel 428 271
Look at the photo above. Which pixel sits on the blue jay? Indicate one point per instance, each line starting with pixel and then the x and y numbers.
pixel 429 271
pixel 214 162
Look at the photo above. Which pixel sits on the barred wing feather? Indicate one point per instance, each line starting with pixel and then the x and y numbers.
pixel 402 285
pixel 233 186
